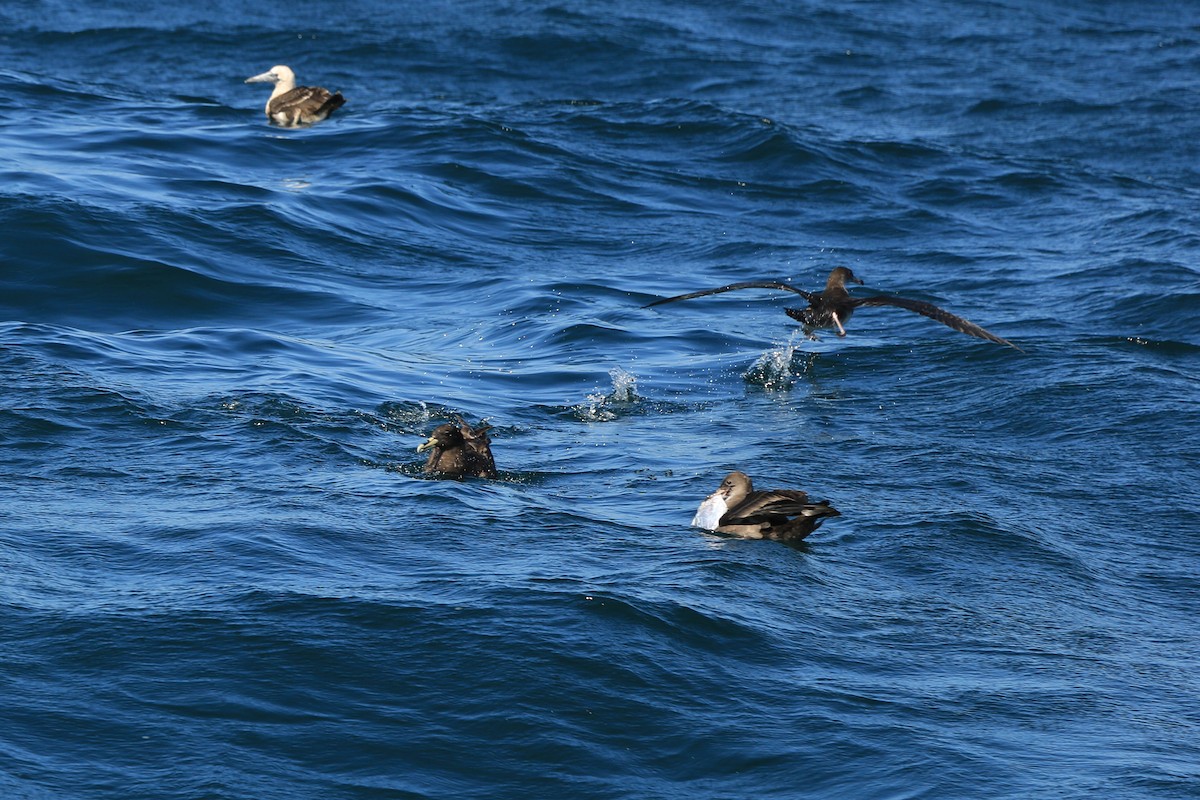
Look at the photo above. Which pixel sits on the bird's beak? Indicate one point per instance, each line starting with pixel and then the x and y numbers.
pixel 858 280
pixel 433 442
pixel 266 77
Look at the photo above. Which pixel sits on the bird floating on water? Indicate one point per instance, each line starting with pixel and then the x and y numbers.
pixel 832 307
pixel 784 515
pixel 290 105
pixel 459 451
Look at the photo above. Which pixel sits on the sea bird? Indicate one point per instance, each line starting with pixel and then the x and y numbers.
pixel 290 105
pixel 459 451
pixel 832 307
pixel 784 515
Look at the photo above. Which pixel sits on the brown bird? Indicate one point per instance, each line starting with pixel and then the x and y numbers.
pixel 785 515
pixel 459 451
pixel 290 105
pixel 832 307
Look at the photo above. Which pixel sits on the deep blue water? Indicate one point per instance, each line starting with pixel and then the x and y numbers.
pixel 220 343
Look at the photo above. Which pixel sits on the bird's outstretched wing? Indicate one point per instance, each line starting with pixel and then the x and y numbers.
pixel 731 287
pixel 933 312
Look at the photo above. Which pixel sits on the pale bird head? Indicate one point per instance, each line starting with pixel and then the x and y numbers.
pixel 735 484
pixel 276 74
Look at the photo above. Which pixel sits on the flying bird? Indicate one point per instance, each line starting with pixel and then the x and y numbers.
pixel 459 451
pixel 784 515
pixel 290 105
pixel 832 307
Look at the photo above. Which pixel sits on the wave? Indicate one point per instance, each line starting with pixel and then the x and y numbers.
pixel 221 343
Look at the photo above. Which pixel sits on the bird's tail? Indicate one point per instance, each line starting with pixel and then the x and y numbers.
pixel 821 509
pixel 333 103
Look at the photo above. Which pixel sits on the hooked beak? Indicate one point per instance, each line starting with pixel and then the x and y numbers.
pixel 433 442
pixel 266 77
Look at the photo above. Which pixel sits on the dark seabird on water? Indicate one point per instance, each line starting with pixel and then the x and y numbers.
pixel 291 105
pixel 459 451
pixel 832 307
pixel 784 515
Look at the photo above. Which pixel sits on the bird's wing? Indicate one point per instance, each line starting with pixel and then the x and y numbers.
pixel 933 312
pixel 480 462
pixel 775 506
pixel 731 287
pixel 301 95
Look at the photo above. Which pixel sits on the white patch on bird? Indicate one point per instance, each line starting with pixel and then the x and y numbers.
pixel 708 515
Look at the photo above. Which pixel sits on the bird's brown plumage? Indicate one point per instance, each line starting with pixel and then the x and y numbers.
pixel 459 451
pixel 303 105
pixel 779 514
pixel 833 306
pixel 290 105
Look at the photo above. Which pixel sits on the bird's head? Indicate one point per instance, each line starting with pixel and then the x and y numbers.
pixel 843 275
pixel 736 484
pixel 276 74
pixel 443 436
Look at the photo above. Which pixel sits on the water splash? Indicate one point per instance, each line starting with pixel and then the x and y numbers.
pixel 599 407
pixel 408 416
pixel 624 386
pixel 778 368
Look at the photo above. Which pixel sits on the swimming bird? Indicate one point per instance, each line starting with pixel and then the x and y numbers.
pixel 832 307
pixel 781 514
pixel 459 451
pixel 290 105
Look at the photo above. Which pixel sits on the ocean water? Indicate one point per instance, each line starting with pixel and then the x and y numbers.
pixel 224 575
